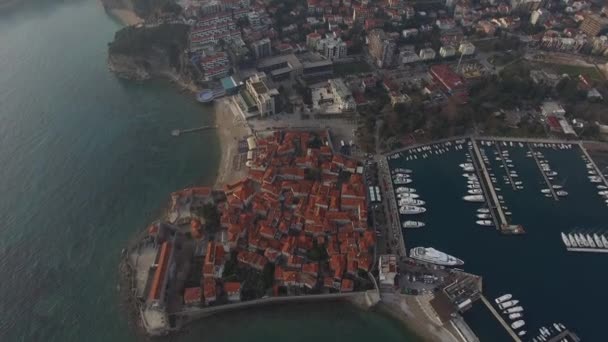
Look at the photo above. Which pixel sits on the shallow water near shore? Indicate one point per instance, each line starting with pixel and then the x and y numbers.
pixel 86 161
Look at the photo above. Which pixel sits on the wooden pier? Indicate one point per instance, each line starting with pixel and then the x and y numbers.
pixel 549 185
pixel 488 187
pixel 178 132
pixel 500 319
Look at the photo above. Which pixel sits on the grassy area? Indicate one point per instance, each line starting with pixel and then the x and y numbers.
pixel 573 70
pixel 485 45
pixel 351 68
pixel 502 59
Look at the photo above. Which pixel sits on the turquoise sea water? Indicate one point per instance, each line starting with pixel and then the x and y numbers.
pixel 86 161
pixel 553 285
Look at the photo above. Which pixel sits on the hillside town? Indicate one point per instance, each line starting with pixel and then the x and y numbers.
pixel 324 88
pixel 402 70
pixel 297 225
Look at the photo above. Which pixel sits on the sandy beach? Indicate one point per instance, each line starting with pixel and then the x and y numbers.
pixel 405 309
pixel 230 129
pixel 116 9
pixel 127 17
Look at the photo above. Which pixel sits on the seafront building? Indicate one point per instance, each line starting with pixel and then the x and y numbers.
pixel 215 65
pixel 258 97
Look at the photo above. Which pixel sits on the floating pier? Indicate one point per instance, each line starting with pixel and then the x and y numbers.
pixel 549 185
pixel 504 164
pixel 488 187
pixel 587 250
pixel 500 319
pixel 178 132
pixel 566 333
pixel 597 169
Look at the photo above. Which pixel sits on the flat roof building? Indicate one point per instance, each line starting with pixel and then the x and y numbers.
pixel 594 24
pixel 258 91
pixel 281 68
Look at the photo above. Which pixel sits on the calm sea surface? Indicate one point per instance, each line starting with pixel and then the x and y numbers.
pixel 553 285
pixel 86 161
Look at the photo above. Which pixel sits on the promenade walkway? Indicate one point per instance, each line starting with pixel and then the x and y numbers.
pixel 391 205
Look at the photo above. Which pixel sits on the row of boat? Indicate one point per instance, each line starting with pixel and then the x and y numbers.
pixel 510 309
pixel 408 200
pixel 515 313
pixel 544 333
pixel 475 193
pixel 595 178
pixel 579 240
pixel 510 177
pixel 426 151
pixel 555 146
pixel 550 175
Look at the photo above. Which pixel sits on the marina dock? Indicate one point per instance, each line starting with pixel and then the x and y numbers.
pixel 549 185
pixel 493 202
pixel 597 169
pixel 500 319
pixel 587 250
pixel 565 334
pixel 504 165
pixel 178 132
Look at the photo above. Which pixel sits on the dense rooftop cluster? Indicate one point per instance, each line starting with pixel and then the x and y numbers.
pixel 300 197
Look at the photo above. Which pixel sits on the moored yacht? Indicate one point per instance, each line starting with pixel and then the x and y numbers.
pixel 400 170
pixel 573 242
pixel 598 241
pixel 408 195
pixel 515 315
pixel 413 224
pixel 402 180
pixel 411 210
pixel 518 324
pixel 434 256
pixel 473 198
pixel 503 298
pixel 590 241
pixel 404 189
pixel 411 201
pixel 513 310
pixel 486 223
pixel 566 240
pixel 508 304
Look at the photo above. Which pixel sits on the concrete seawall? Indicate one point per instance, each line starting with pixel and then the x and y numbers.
pixel 364 300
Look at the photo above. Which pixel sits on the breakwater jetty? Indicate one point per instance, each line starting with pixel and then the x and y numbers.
pixel 178 132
